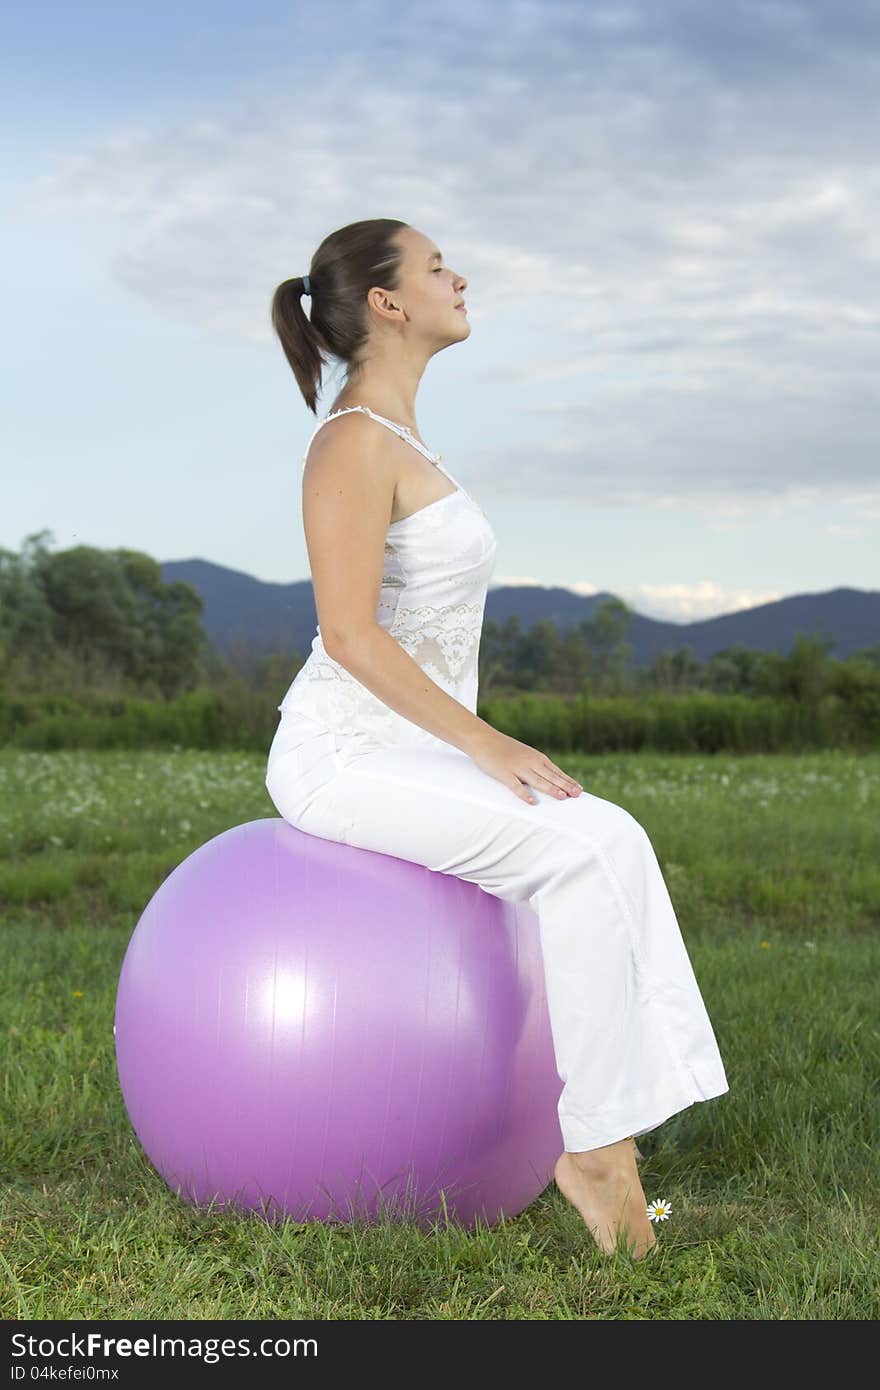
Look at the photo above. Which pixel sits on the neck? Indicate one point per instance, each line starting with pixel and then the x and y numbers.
pixel 388 388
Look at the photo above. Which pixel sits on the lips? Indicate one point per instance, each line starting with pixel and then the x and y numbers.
pixel 462 305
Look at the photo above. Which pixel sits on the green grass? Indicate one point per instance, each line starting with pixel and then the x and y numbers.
pixel 772 863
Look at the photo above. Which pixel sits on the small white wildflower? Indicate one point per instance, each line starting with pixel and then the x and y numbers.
pixel 659 1210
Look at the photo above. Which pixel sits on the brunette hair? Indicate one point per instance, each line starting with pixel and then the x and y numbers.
pixel 345 266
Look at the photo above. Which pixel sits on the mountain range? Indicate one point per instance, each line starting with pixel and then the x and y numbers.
pixel 264 617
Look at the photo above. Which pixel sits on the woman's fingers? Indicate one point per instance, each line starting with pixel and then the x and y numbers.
pixel 561 779
pixel 564 786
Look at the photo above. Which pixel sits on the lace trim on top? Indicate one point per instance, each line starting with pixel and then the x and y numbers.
pixel 437 565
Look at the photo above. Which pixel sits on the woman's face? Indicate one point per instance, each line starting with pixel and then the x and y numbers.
pixel 430 291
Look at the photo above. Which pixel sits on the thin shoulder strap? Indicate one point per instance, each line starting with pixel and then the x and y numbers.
pixel 401 430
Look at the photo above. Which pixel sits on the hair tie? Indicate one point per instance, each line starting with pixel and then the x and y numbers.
pixel 305 281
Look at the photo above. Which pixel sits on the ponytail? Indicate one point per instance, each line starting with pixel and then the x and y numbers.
pixel 347 264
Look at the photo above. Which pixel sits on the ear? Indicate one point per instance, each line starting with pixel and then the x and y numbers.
pixel 383 303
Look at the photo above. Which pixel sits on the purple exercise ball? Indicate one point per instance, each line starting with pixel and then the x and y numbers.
pixel 320 1032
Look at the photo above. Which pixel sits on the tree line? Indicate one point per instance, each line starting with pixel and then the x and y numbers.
pixel 84 624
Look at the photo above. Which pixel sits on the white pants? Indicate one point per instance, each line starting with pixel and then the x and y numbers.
pixel 632 1038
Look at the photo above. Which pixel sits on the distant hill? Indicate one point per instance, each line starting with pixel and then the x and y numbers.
pixel 273 617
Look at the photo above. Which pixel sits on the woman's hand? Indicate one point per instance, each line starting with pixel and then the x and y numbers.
pixel 515 763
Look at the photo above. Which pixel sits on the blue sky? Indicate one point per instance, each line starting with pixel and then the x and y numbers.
pixel 667 214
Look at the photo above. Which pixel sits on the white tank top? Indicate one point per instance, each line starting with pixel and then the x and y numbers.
pixel 438 562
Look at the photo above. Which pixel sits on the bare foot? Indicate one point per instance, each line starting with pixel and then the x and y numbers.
pixel 604 1186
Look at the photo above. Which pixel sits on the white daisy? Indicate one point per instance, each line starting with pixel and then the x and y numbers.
pixel 659 1210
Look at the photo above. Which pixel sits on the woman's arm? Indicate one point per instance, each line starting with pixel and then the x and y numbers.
pixel 380 663
pixel 348 495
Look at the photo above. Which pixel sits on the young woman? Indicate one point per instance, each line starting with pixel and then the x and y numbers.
pixel 379 744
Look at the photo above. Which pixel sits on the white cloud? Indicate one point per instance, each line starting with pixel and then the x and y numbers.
pixel 670 212
pixel 676 603
pixel 688 603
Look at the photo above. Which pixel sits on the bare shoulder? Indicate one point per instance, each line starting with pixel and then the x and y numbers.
pixel 349 485
pixel 349 445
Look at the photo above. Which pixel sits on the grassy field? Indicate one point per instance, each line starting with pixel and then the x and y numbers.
pixel 772 863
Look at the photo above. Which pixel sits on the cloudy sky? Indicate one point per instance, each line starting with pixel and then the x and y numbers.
pixel 668 213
